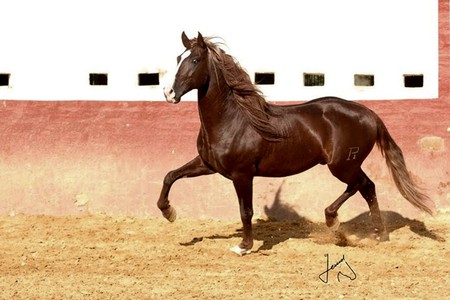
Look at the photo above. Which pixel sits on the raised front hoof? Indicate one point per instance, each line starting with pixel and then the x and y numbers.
pixel 170 214
pixel 239 251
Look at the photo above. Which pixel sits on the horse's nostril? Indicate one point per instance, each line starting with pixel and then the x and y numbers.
pixel 168 91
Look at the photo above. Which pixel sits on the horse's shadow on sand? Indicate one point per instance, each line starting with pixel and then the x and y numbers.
pixel 285 223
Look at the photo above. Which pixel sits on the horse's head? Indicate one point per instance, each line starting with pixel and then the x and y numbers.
pixel 192 71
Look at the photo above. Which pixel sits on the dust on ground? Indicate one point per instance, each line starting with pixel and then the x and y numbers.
pixel 103 257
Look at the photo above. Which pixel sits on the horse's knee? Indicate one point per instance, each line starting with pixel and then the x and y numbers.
pixel 168 179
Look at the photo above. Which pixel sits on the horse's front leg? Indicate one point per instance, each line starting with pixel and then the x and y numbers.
pixel 244 189
pixel 194 168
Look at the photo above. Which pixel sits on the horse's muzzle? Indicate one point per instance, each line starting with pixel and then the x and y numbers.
pixel 169 93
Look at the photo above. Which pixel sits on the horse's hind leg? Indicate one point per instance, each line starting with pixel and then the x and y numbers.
pixel 367 190
pixel 357 182
pixel 353 176
pixel 331 214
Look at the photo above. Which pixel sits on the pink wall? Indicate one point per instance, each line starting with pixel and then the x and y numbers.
pixel 110 157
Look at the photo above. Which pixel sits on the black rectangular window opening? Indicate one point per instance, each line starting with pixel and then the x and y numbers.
pixel 313 79
pixel 4 79
pixel 145 79
pixel 265 78
pixel 413 80
pixel 364 80
pixel 98 79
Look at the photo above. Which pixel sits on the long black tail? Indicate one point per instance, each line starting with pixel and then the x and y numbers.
pixel 396 164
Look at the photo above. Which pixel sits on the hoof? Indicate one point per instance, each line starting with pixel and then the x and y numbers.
pixel 382 236
pixel 239 251
pixel 335 225
pixel 170 214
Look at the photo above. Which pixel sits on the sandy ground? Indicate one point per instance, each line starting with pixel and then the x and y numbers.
pixel 102 257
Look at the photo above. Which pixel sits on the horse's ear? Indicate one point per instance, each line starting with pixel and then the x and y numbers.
pixel 186 41
pixel 201 41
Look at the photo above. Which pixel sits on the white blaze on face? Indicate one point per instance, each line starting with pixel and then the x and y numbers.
pixel 169 93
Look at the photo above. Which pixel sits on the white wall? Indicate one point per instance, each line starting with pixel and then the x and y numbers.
pixel 50 46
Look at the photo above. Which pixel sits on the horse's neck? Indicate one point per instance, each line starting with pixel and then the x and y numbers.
pixel 216 108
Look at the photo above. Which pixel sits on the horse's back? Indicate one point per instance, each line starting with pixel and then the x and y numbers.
pixel 340 105
pixel 330 112
pixel 338 113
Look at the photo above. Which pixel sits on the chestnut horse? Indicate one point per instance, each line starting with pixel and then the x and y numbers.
pixel 242 136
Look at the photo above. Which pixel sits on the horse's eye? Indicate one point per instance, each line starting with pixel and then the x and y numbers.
pixel 194 60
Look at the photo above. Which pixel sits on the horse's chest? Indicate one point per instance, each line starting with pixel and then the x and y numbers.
pixel 222 156
pixel 214 155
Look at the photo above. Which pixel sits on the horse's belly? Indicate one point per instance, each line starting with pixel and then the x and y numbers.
pixel 281 167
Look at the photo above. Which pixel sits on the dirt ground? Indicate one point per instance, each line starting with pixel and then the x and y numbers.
pixel 103 257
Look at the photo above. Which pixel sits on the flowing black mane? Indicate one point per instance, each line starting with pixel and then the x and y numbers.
pixel 245 93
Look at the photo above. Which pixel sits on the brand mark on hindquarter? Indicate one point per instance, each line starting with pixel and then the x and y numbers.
pixel 352 151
